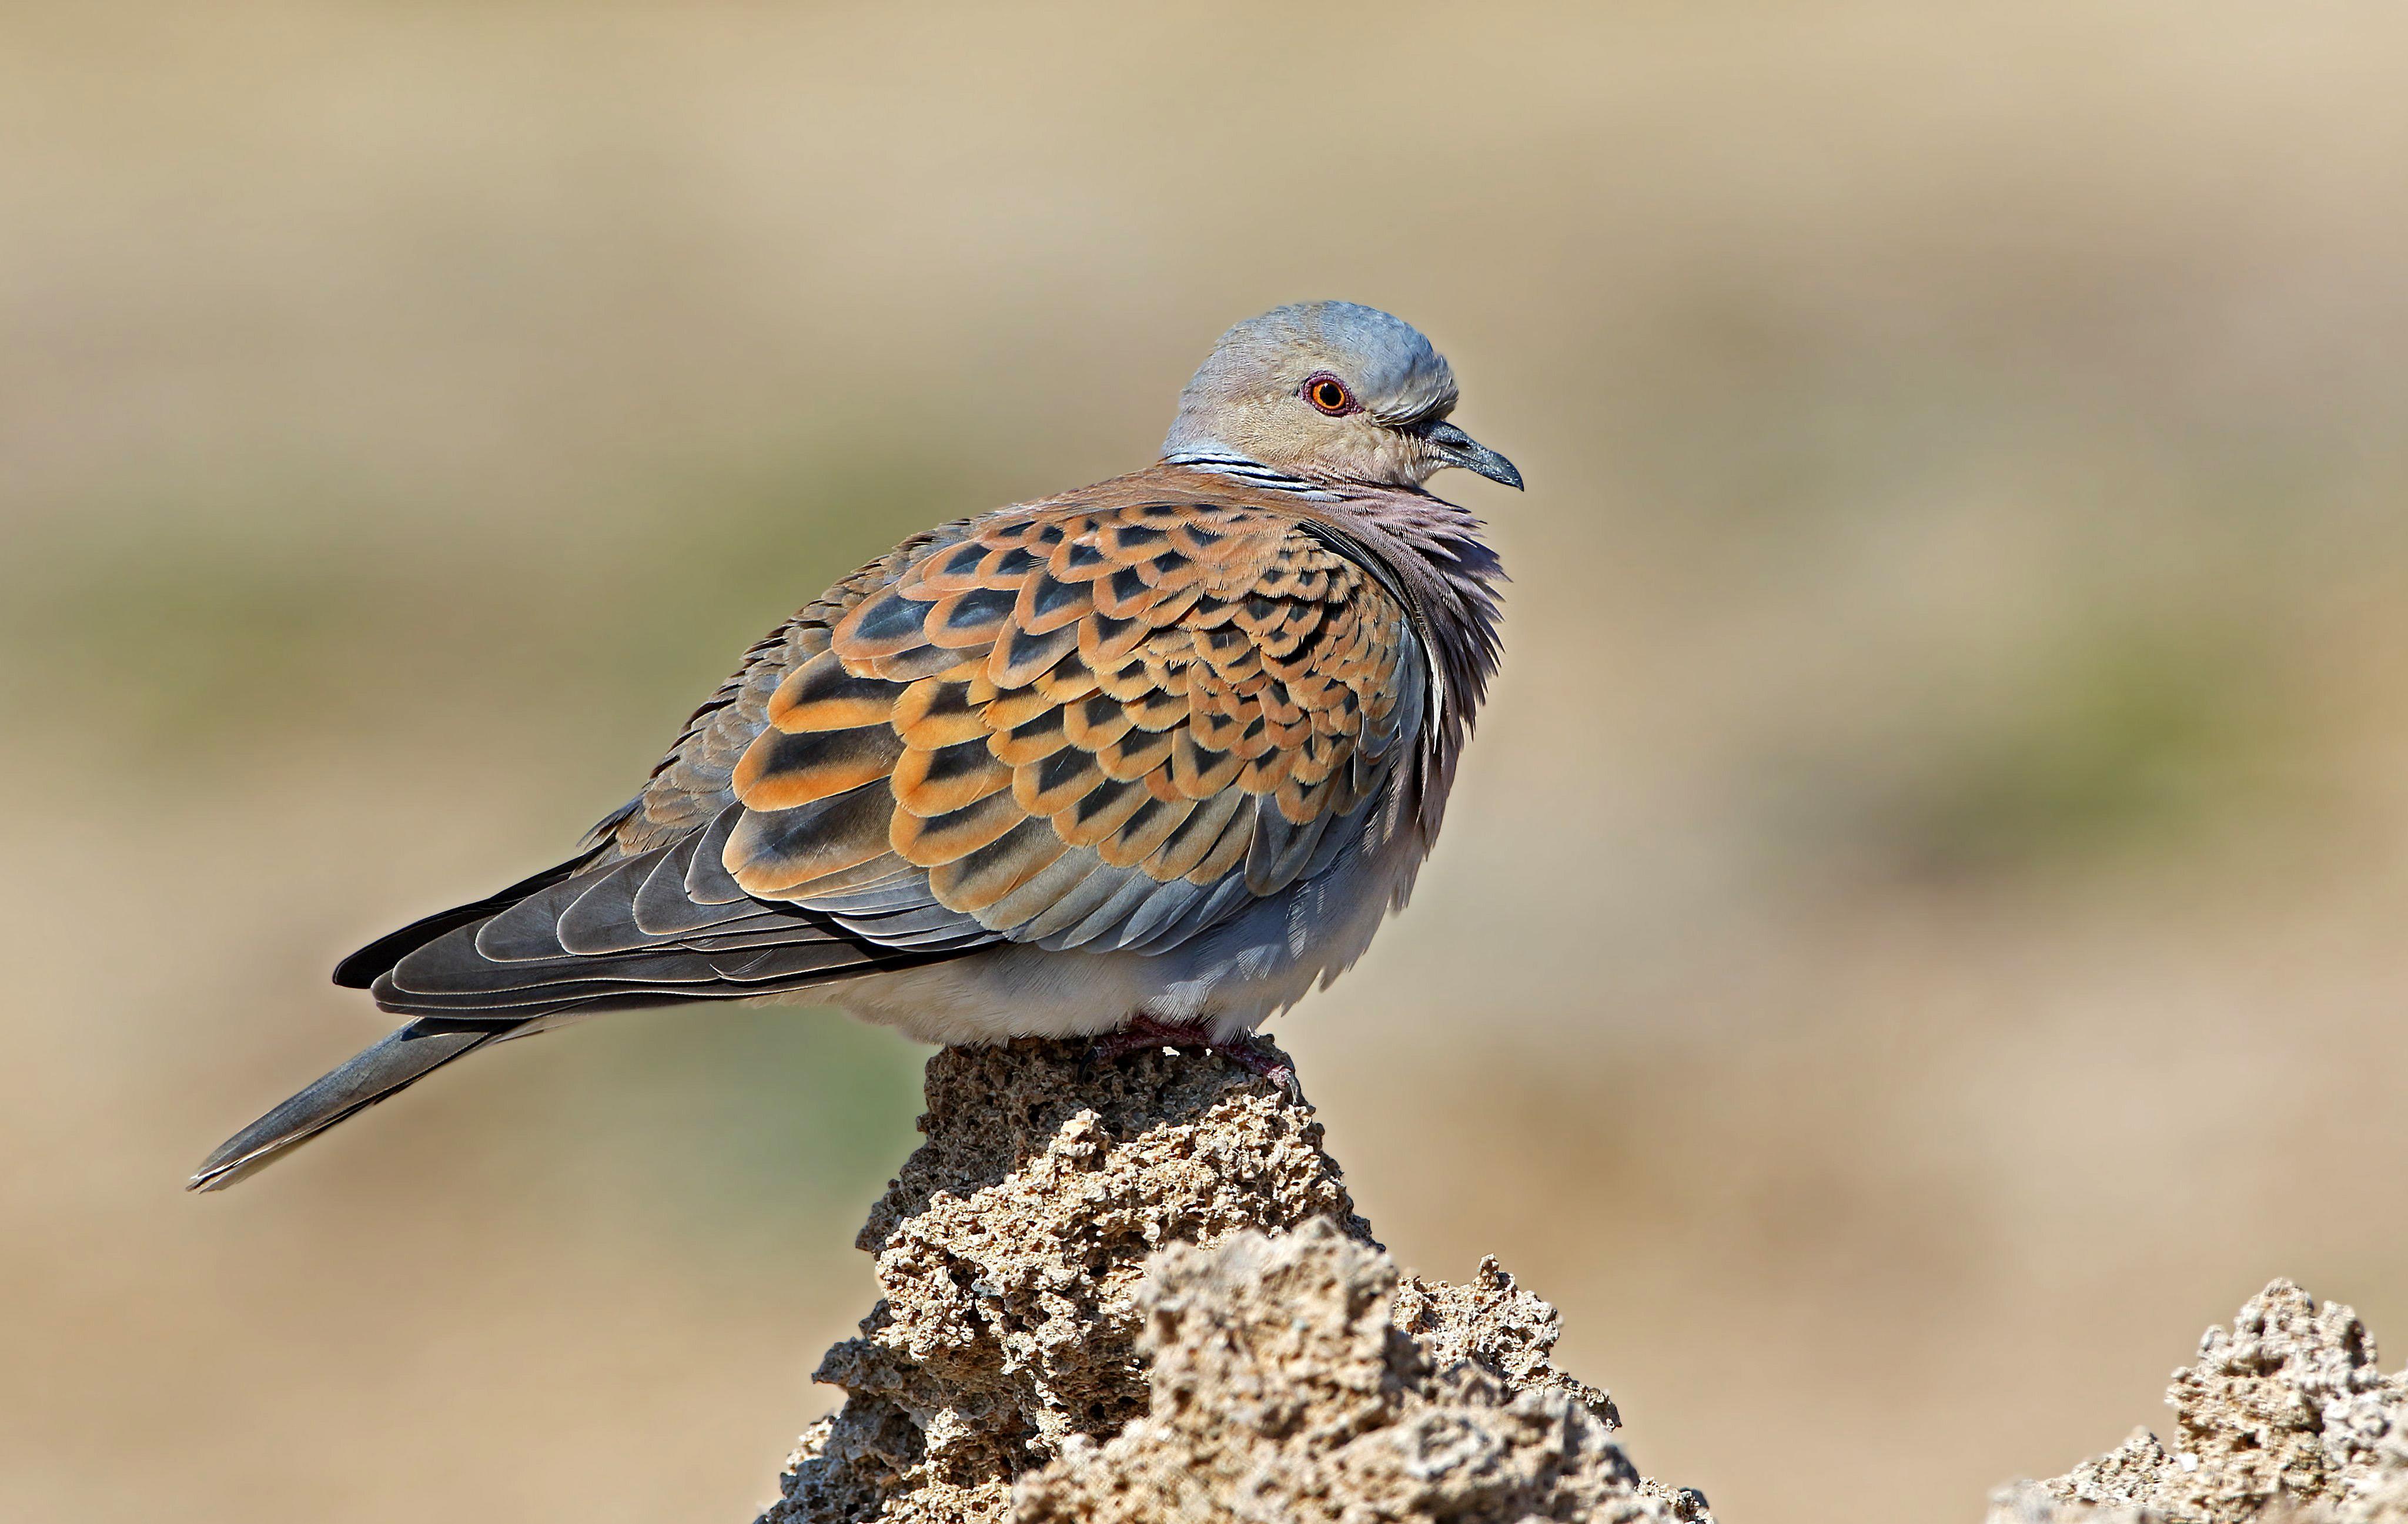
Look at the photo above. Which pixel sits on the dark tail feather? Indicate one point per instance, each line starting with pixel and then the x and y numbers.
pixel 401 1060
pixel 360 969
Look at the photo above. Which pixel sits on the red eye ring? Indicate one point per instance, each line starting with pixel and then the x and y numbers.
pixel 1329 394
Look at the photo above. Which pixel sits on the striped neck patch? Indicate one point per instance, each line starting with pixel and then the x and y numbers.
pixel 1253 472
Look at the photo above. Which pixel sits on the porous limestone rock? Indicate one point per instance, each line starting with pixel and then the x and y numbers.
pixel 1290 1385
pixel 1140 1291
pixel 2284 1419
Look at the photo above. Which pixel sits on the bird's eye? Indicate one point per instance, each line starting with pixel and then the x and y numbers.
pixel 1329 394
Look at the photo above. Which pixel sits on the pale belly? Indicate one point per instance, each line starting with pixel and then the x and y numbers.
pixel 1229 981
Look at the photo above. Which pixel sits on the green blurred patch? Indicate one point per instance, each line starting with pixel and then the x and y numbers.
pixel 206 651
pixel 711 557
pixel 300 610
pixel 781 1120
pixel 2122 737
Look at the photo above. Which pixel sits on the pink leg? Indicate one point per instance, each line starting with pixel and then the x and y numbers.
pixel 1145 1031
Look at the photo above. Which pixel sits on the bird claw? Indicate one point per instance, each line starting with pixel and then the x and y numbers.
pixel 1249 1053
pixel 1253 1055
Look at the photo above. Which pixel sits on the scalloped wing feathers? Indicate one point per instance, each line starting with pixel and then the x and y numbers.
pixel 1110 720
pixel 1079 720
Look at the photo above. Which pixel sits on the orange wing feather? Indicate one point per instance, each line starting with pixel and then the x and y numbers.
pixel 1055 711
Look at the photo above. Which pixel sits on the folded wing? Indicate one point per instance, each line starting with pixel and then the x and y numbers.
pixel 1109 721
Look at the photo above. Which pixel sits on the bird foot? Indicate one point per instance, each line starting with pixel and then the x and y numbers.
pixel 1250 1052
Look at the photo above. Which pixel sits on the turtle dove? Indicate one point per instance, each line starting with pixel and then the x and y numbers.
pixel 1141 762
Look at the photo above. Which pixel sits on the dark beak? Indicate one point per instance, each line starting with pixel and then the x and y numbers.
pixel 1457 447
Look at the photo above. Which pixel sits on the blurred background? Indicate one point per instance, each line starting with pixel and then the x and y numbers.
pixel 1919 936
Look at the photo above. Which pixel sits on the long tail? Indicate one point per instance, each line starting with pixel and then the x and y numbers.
pixel 659 928
pixel 367 1077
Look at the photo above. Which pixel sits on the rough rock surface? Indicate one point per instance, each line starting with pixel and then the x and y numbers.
pixel 1143 1293
pixel 2285 1420
pixel 1289 1385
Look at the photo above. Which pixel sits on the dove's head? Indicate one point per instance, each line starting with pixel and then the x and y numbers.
pixel 1330 391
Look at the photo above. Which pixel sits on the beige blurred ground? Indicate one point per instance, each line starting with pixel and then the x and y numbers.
pixel 1920 933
